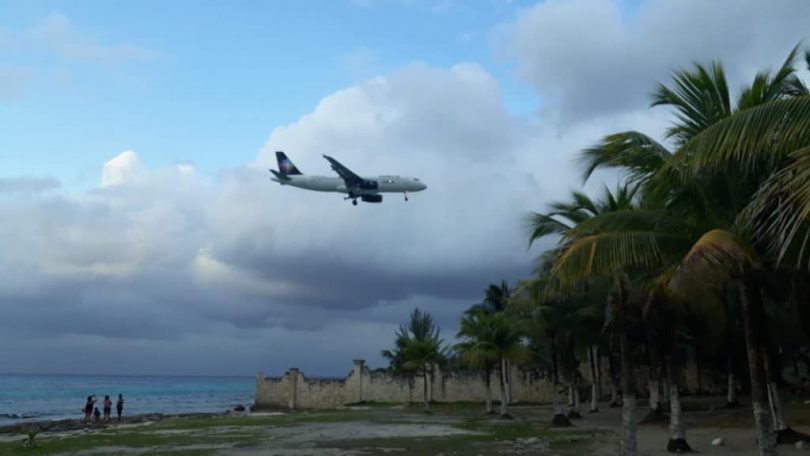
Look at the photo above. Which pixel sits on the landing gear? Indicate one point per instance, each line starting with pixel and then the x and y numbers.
pixel 354 202
pixel 406 195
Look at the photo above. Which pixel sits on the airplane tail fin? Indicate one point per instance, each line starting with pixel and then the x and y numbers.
pixel 285 166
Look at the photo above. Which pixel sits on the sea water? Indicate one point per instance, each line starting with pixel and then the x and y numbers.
pixel 39 397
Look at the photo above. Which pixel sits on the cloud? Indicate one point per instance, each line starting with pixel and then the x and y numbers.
pixel 167 254
pixel 124 168
pixel 233 273
pixel 58 34
pixel 159 257
pixel 590 57
pixel 28 184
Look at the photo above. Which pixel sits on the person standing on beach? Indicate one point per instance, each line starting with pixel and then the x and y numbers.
pixel 88 409
pixel 107 408
pixel 119 406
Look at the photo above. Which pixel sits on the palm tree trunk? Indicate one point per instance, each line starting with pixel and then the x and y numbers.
pixel 629 445
pixel 570 394
pixel 425 388
pixel 677 429
pixel 653 383
pixel 594 380
pixel 559 419
pixel 598 358
pixel 613 372
pixel 508 384
pixel 501 373
pixel 731 395
pixel 655 393
pixel 774 400
pixel 753 317
pixel 488 384
pixel 430 382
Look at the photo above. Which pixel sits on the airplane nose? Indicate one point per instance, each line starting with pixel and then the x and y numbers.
pixel 422 186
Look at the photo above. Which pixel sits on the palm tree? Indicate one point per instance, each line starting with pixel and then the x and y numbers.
pixel 477 348
pixel 507 343
pixel 689 195
pixel 420 356
pixel 562 220
pixel 496 299
pixel 417 348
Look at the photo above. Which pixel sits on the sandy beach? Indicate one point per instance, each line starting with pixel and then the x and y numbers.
pixel 452 429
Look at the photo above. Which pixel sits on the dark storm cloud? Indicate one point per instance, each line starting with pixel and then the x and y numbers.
pixel 347 282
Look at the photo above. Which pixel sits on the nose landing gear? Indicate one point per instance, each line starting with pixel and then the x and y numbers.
pixel 354 202
pixel 406 195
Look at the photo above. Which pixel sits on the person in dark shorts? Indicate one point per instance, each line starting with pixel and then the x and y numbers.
pixel 107 408
pixel 119 406
pixel 88 409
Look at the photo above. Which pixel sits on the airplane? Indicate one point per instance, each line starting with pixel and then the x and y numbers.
pixel 368 189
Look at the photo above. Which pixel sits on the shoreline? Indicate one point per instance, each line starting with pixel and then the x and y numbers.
pixel 74 424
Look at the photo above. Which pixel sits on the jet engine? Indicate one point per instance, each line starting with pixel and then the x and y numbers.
pixel 371 198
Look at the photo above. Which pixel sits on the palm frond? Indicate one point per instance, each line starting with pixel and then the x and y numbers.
pixel 717 255
pixel 780 211
pixel 629 220
pixel 762 135
pixel 767 87
pixel 700 98
pixel 542 225
pixel 605 254
pixel 635 153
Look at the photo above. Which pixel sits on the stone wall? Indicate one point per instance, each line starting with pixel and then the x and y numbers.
pixel 294 390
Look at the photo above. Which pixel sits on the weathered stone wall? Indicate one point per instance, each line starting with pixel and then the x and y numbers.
pixel 294 390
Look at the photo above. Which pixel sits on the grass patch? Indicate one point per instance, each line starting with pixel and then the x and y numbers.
pixel 489 437
pixel 141 439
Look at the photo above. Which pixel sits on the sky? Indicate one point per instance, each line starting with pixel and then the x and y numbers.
pixel 140 231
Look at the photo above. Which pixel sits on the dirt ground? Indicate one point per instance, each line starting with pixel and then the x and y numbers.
pixel 452 429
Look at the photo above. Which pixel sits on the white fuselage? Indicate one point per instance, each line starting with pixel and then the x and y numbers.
pixel 385 184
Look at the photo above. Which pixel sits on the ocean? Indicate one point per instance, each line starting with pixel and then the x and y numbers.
pixel 40 397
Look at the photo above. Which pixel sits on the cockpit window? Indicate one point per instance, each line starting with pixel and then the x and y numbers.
pixel 417 180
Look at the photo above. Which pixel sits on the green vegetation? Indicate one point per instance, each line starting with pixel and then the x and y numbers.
pixel 417 349
pixel 713 231
pixel 212 435
pixel 700 254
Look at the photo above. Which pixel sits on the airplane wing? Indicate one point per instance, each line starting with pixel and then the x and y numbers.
pixel 352 180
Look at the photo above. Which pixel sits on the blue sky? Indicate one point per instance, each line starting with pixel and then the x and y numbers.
pixel 216 77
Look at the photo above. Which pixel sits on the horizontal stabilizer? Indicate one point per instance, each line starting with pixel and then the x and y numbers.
pixel 279 175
